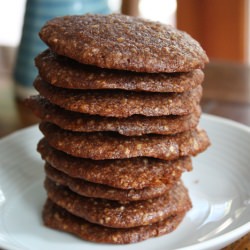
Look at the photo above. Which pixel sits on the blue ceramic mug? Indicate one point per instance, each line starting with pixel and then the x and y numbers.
pixel 36 14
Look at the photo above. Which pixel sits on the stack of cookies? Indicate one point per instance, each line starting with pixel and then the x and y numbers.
pixel 119 103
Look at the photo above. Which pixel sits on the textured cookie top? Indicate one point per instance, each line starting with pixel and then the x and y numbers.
pixel 120 103
pixel 114 214
pixel 63 72
pixel 122 42
pixel 95 190
pixel 132 173
pixel 133 125
pixel 108 145
pixel 58 218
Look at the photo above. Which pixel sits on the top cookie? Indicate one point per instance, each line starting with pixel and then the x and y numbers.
pixel 122 42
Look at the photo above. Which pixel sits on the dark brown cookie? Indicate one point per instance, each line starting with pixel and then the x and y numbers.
pixel 133 125
pixel 95 190
pixel 110 145
pixel 120 103
pixel 132 173
pixel 116 215
pixel 64 72
pixel 123 42
pixel 57 218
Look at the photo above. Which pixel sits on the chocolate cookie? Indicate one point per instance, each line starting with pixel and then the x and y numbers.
pixel 132 173
pixel 95 190
pixel 123 42
pixel 110 145
pixel 64 72
pixel 120 103
pixel 116 215
pixel 133 125
pixel 58 218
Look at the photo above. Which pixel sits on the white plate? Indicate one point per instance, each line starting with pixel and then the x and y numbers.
pixel 219 187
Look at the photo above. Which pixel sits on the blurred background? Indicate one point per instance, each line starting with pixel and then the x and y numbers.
pixel 222 27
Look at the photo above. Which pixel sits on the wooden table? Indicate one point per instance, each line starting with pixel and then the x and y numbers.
pixel 226 94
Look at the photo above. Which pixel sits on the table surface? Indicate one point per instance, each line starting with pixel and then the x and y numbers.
pixel 226 93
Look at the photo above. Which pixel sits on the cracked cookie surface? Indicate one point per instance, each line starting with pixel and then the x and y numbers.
pixel 94 190
pixel 63 72
pixel 110 145
pixel 134 125
pixel 118 215
pixel 58 218
pixel 120 103
pixel 123 42
pixel 131 173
